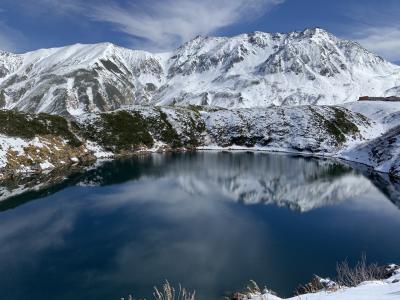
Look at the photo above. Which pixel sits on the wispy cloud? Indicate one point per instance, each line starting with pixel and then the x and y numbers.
pixel 55 7
pixel 167 23
pixel 155 24
pixel 10 39
pixel 7 39
pixel 383 40
pixel 377 28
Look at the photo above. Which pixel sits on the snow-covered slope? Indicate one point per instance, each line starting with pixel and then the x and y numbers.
pixel 382 153
pixel 79 78
pixel 381 149
pixel 248 70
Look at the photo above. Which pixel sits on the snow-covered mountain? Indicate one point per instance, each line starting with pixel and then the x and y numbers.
pixel 78 78
pixel 248 70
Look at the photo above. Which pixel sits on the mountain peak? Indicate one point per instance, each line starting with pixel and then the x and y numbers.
pixel 316 31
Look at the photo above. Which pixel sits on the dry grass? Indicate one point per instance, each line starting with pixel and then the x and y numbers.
pixel 168 292
pixel 249 292
pixel 353 276
pixel 313 286
pixel 347 276
pixel 316 285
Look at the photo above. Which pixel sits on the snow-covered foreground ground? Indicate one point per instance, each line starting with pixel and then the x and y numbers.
pixel 388 289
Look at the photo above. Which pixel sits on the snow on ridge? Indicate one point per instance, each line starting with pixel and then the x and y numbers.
pixel 247 70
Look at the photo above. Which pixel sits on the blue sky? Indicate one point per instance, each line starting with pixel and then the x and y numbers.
pixel 160 25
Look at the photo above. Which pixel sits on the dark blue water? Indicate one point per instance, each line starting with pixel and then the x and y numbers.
pixel 210 221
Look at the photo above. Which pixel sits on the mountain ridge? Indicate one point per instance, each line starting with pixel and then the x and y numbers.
pixel 248 70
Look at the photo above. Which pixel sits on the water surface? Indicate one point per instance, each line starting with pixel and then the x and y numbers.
pixel 210 221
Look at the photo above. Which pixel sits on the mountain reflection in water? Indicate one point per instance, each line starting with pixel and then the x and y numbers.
pixel 126 225
pixel 300 183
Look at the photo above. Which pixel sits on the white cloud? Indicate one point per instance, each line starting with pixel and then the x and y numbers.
pixel 50 7
pixel 155 24
pixel 384 41
pixel 168 23
pixel 376 27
